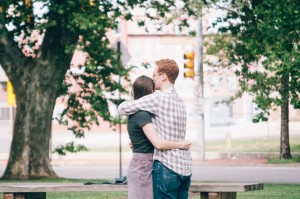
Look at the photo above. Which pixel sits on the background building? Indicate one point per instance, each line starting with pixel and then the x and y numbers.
pixel 140 46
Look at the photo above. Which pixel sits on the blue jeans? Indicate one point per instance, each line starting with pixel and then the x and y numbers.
pixel 168 184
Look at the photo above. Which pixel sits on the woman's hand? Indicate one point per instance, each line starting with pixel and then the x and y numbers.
pixel 130 145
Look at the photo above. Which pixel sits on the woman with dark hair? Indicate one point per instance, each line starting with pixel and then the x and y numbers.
pixel 144 138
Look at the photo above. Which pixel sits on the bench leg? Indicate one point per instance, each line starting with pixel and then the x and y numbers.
pixel 13 195
pixel 204 195
pixel 223 195
pixel 31 195
pixel 227 195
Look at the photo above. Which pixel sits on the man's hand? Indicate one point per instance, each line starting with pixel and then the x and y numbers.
pixel 186 145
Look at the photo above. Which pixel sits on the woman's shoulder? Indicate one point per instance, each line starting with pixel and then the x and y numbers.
pixel 142 114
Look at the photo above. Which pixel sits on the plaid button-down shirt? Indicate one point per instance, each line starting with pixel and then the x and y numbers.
pixel 170 123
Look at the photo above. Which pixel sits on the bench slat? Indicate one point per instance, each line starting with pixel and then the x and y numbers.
pixel 60 187
pixel 79 187
pixel 225 187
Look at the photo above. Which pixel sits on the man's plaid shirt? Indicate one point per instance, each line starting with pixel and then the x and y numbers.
pixel 170 123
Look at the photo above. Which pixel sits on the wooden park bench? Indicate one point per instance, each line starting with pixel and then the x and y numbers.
pixel 39 190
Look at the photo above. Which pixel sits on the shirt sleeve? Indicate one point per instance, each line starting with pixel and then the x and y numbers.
pixel 143 118
pixel 147 103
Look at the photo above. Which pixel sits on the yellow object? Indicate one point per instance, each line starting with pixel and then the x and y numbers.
pixel 11 97
pixel 189 74
pixel 28 4
pixel 189 64
pixel 92 3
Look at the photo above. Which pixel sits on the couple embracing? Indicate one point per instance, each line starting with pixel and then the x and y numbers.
pixel 158 119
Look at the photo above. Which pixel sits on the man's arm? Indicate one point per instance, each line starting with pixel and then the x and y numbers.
pixel 160 144
pixel 147 103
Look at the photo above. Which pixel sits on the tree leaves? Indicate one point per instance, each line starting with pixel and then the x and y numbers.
pixel 63 27
pixel 70 147
pixel 263 38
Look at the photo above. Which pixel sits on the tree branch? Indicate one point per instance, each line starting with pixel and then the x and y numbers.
pixel 10 53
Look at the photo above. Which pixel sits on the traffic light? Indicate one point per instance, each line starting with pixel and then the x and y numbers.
pixel 92 3
pixel 11 97
pixel 28 4
pixel 189 64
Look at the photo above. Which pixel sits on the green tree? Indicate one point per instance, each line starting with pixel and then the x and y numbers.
pixel 262 37
pixel 39 71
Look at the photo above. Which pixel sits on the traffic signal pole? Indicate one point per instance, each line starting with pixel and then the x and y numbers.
pixel 120 125
pixel 199 91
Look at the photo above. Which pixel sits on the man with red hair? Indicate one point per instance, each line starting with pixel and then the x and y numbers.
pixel 172 169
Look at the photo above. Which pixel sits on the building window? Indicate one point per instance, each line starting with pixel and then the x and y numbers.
pixel 4 113
pixel 3 86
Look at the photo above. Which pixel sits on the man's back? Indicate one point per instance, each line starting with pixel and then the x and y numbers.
pixel 170 123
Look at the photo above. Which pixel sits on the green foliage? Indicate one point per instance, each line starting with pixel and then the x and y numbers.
pixel 69 147
pixel 273 191
pixel 262 37
pixel 69 25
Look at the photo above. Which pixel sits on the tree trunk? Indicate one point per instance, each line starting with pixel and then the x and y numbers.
pixel 285 152
pixel 36 83
pixel 29 152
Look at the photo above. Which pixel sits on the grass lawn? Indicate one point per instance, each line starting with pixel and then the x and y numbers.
pixel 264 144
pixel 270 144
pixel 273 191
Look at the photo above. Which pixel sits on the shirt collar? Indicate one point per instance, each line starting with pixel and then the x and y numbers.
pixel 171 88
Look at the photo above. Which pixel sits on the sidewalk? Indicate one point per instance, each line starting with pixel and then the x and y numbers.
pixel 112 139
pixel 94 158
pixel 107 166
pixel 113 158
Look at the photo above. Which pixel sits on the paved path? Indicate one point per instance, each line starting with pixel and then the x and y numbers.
pixel 106 166
pixel 220 171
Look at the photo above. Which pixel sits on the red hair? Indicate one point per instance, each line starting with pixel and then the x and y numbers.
pixel 169 67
